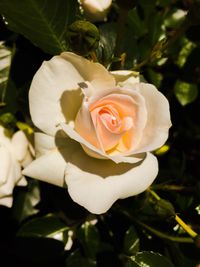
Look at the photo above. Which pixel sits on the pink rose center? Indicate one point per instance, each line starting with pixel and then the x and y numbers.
pixel 113 116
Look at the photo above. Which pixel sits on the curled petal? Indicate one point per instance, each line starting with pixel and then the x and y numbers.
pixel 93 151
pixel 158 123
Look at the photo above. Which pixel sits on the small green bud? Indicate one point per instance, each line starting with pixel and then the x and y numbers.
pixel 83 37
pixel 164 208
pixel 8 120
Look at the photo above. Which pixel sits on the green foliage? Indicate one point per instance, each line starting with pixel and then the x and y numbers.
pixel 44 23
pixel 89 237
pixel 149 259
pixel 131 242
pixel 186 93
pixel 47 226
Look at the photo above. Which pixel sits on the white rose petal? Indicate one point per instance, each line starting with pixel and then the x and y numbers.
pixel 80 106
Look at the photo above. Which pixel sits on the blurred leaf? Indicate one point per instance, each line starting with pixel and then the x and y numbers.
pixel 187 48
pixel 5 62
pixel 137 24
pixel 25 201
pixel 47 226
pixel 89 237
pixel 185 92
pixel 162 150
pixel 106 47
pixel 42 22
pixel 175 18
pixel 131 241
pixel 149 259
pixel 76 259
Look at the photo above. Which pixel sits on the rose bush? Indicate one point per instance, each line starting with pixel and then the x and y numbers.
pixel 98 129
pixel 15 153
pixel 96 10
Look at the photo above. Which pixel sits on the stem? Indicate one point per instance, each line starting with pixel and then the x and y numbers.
pixel 171 187
pixel 186 227
pixel 156 232
pixel 154 194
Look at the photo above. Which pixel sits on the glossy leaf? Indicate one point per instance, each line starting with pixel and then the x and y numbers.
pixel 131 242
pixel 47 226
pixel 89 237
pixel 26 200
pixel 149 259
pixel 44 23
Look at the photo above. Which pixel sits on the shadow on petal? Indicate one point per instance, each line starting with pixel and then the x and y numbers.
pixel 73 153
pixel 70 102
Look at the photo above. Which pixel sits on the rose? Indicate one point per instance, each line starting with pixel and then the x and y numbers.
pixel 14 154
pixel 96 10
pixel 116 119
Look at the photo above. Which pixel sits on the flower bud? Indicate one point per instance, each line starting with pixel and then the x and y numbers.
pixel 83 37
pixel 96 10
pixel 164 208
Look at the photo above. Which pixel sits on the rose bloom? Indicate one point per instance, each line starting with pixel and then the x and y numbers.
pixel 96 10
pixel 15 153
pixel 98 129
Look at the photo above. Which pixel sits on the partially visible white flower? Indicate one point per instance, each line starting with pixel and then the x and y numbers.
pixel 15 153
pixel 96 10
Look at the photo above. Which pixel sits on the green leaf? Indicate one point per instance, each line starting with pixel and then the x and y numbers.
pixel 89 237
pixel 186 93
pixel 131 242
pixel 47 226
pixel 5 62
pixel 149 259
pixel 106 47
pixel 137 24
pixel 25 201
pixel 44 22
pixel 175 18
